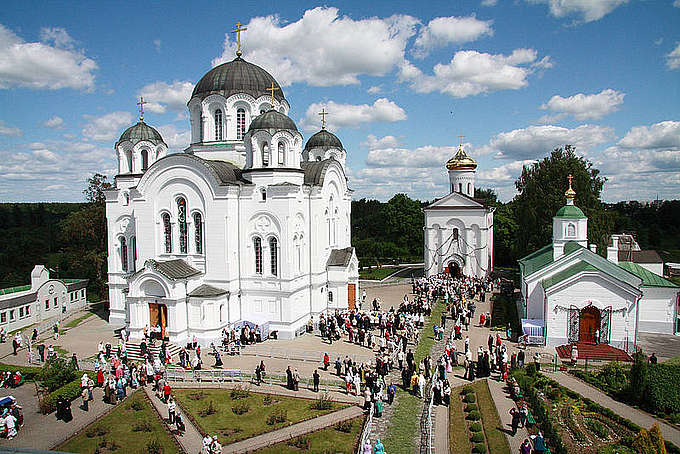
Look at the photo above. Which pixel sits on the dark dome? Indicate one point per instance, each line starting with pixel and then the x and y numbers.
pixel 323 139
pixel 141 131
pixel 272 120
pixel 237 76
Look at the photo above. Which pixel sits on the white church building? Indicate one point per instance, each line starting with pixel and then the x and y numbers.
pixel 458 227
pixel 570 294
pixel 248 225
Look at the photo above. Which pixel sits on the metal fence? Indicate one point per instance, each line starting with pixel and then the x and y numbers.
pixel 366 433
pixel 426 432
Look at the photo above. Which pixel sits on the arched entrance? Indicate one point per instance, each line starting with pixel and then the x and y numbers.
pixel 158 318
pixel 454 269
pixel 589 323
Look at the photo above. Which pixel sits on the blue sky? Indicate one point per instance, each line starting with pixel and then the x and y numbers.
pixel 401 80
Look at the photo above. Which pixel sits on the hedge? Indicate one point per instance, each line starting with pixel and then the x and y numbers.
pixel 663 388
pixel 70 391
pixel 29 373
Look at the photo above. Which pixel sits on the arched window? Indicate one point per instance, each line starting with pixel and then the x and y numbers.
pixel 200 128
pixel 126 198
pixel 123 254
pixel 263 194
pixel 240 123
pixel 257 246
pixel 460 187
pixel 145 160
pixel 182 223
pixel 274 256
pixel 198 232
pixel 334 229
pixel 571 230
pixel 128 157
pixel 221 313
pixel 330 297
pixel 265 155
pixel 282 154
pixel 218 124
pixel 167 233
pixel 133 248
pixel 455 235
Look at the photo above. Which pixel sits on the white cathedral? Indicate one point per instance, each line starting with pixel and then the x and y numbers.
pixel 246 226
pixel 458 227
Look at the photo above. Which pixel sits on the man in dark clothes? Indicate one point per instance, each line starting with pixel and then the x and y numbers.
pixel 289 378
pixel 316 381
pixel 41 352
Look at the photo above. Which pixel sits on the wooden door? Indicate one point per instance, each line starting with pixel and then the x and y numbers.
pixel 153 315
pixel 163 320
pixel 589 323
pixel 351 296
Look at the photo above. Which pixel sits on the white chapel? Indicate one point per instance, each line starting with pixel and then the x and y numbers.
pixel 458 227
pixel 249 225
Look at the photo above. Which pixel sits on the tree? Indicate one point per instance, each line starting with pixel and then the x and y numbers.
pixel 96 185
pixel 541 190
pixel 489 196
pixel 639 375
pixel 505 234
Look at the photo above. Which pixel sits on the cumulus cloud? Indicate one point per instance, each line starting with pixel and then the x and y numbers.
pixel 375 89
pixel 471 73
pixel 372 142
pixel 6 130
pixel 589 10
pixel 442 31
pixel 323 48
pixel 162 96
pixel 350 115
pixel 54 122
pixel 107 127
pixel 39 65
pixel 493 2
pixel 586 107
pixel 673 58
pixel 536 142
pixel 175 139
pixel 383 182
pixel 427 156
pixel 665 134
pixel 58 36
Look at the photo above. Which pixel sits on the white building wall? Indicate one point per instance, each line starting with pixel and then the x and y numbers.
pixel 658 310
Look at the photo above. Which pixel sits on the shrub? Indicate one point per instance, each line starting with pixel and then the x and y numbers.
pixel 267 400
pixel 96 431
pixel 324 402
pixel 662 394
pixel 209 410
pixel 597 428
pixel 476 427
pixel 143 426
pixel 69 392
pixel 302 442
pixel 344 426
pixel 477 437
pixel 471 407
pixel 657 439
pixel 614 376
pixel 473 416
pixel 479 448
pixel 154 447
pixel 137 405
pixel 240 408
pixel 29 373
pixel 470 399
pixel 56 373
pixel 639 374
pixel 531 369
pixel 106 445
pixel 554 393
pixel 240 392
pixel 196 396
pixel 642 443
pixel 467 390
pixel 279 415
pixel 675 418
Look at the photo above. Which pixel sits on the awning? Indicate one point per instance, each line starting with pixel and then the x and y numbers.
pixel 533 327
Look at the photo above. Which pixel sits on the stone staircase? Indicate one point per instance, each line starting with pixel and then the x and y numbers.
pixel 134 352
pixel 592 352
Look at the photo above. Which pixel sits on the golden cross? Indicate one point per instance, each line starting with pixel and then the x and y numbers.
pixel 272 89
pixel 570 177
pixel 141 108
pixel 238 37
pixel 461 139
pixel 323 114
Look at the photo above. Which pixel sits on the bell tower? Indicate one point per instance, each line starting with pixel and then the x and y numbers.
pixel 462 169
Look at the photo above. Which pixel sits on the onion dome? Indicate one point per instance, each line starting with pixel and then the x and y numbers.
pixel 139 132
pixel 237 76
pixel 570 211
pixel 272 121
pixel 323 139
pixel 461 161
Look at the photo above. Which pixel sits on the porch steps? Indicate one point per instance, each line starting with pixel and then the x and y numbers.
pixel 592 352
pixel 134 352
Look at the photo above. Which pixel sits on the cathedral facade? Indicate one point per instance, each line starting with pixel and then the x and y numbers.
pixel 458 227
pixel 248 225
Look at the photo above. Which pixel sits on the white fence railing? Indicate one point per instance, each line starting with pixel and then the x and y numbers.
pixel 426 431
pixel 366 433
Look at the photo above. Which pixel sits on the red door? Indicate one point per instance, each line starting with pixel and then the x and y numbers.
pixel 351 296
pixel 589 323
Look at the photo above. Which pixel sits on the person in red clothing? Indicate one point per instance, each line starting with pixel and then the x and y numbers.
pixel 166 392
pixel 326 361
pixel 100 378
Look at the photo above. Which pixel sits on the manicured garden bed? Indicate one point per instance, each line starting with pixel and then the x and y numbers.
pixel 237 414
pixel 377 274
pixel 342 438
pixel 132 427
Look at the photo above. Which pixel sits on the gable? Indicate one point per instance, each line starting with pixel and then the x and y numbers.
pixel 455 200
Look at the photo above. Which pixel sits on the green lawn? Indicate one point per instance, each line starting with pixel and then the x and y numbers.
pixel 328 440
pixel 674 360
pixel 459 441
pixel 377 274
pixel 231 427
pixel 498 444
pixel 76 321
pixel 427 335
pixel 132 430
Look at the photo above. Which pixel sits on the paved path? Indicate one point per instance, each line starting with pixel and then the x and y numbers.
pixel 504 404
pixel 441 430
pixel 640 418
pixel 277 436
pixel 191 441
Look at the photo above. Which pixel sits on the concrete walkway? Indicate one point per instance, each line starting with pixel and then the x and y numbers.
pixel 441 429
pixel 640 418
pixel 191 441
pixel 504 404
pixel 277 436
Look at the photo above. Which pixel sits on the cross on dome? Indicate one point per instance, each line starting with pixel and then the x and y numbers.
pixel 323 114
pixel 271 90
pixel 570 192
pixel 238 31
pixel 141 108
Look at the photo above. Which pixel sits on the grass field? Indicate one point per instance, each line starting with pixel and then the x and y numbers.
pixel 132 427
pixel 377 274
pixel 459 441
pixel 231 427
pixel 330 439
pixel 498 444
pixel 76 321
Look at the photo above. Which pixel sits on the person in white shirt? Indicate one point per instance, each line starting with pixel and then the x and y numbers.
pixel 11 424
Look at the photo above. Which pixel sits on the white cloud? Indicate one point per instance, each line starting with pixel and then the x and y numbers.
pixel 586 107
pixel 590 10
pixel 57 36
pixel 107 127
pixel 470 73
pixel 350 115
pixel 493 2
pixel 665 134
pixel 536 142
pixel 442 31
pixel 383 182
pixel 9 130
pixel 427 156
pixel 162 96
pixel 673 58
pixel 323 48
pixel 676 3
pixel 502 178
pixel 373 143
pixel 54 122
pixel 375 89
pixel 174 139
pixel 157 44
pixel 41 66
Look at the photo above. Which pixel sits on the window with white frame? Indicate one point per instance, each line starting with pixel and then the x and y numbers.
pixel 274 256
pixel 240 123
pixel 11 315
pixel 3 317
pixel 21 312
pixel 47 305
pixel 218 124
pixel 198 233
pixel 123 254
pixel 182 224
pixel 265 155
pixel 282 153
pixel 27 310
pixel 257 247
pixel 167 233
pixel 145 160
pixel 133 249
pixel 571 230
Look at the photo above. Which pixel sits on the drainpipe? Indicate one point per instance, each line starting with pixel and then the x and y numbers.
pixel 186 307
pixel 238 239
pixel 637 320
pixel 309 209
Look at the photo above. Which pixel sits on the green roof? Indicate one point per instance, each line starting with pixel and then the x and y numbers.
pixel 570 211
pixel 543 257
pixel 21 288
pixel 567 273
pixel 649 279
